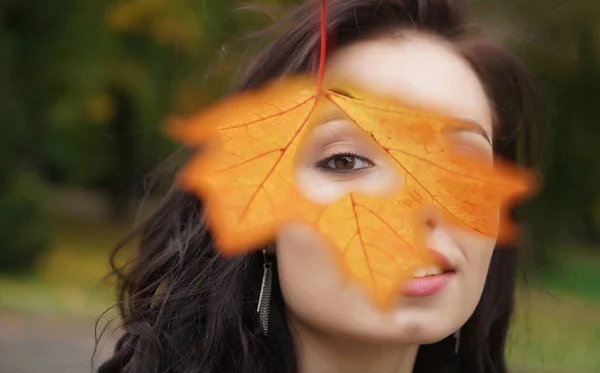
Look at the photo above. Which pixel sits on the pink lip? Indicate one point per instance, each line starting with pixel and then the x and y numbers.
pixel 428 285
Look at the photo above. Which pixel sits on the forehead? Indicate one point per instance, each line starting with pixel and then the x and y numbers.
pixel 417 69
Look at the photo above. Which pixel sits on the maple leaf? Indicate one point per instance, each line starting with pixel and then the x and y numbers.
pixel 244 174
pixel 380 240
pixel 468 190
pixel 245 177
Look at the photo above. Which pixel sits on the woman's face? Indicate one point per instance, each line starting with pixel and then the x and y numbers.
pixel 420 70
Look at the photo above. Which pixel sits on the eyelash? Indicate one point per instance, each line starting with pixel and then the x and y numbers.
pixel 323 164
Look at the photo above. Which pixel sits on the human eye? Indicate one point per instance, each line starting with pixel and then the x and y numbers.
pixel 344 163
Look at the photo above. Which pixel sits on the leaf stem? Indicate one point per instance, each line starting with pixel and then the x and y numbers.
pixel 323 46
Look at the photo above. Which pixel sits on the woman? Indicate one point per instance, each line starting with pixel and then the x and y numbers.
pixel 187 309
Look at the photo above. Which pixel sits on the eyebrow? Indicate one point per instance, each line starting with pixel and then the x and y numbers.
pixel 478 127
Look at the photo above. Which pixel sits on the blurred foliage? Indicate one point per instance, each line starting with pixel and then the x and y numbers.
pixel 22 220
pixel 562 47
pixel 23 232
pixel 85 85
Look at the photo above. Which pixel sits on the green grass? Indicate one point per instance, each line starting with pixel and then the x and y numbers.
pixel 557 329
pixel 71 279
pixel 553 332
pixel 33 296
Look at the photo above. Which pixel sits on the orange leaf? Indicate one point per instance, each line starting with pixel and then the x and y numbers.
pixel 245 177
pixel 378 241
pixel 468 190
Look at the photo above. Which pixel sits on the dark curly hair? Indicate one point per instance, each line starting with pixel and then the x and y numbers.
pixel 185 309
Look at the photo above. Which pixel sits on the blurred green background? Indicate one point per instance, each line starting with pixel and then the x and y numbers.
pixel 85 85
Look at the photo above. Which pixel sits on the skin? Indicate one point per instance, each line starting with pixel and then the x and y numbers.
pixel 337 328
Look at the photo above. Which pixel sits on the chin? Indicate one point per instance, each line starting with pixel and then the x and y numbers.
pixel 403 328
pixel 424 325
pixel 424 333
pixel 429 328
pixel 415 334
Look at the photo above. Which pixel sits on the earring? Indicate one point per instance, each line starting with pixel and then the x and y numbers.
pixel 264 299
pixel 456 341
pixel 457 367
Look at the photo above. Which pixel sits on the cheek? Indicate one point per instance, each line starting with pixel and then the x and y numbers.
pixel 315 291
pixel 478 252
pixel 306 272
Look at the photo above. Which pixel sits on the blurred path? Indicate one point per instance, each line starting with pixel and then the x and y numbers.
pixel 47 345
